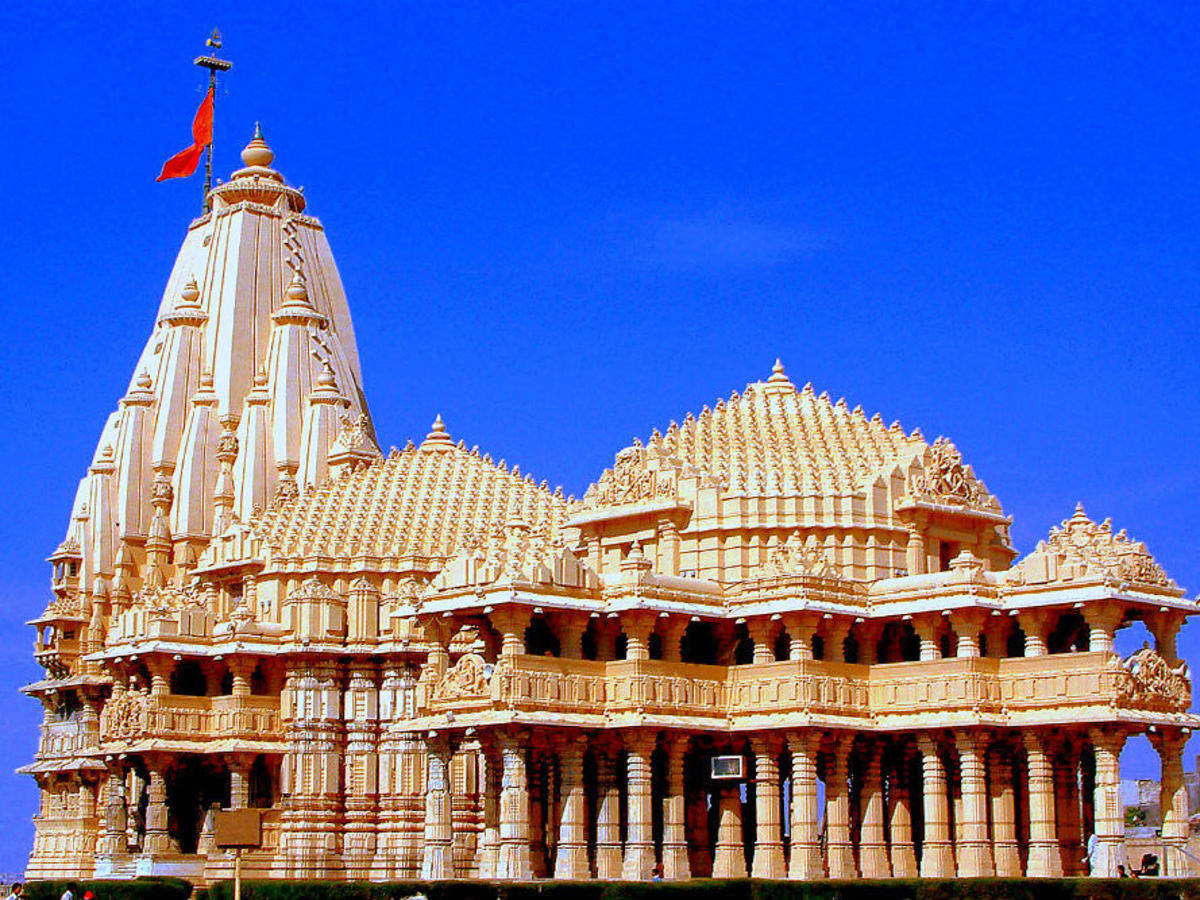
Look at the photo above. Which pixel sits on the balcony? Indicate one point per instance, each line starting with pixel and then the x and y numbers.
pixel 137 716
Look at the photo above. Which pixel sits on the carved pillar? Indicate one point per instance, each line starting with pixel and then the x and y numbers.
pixel 967 624
pixel 675 865
pixel 729 860
pixel 1109 810
pixel 639 837
pixel 1174 799
pixel 158 837
pixel 836 632
pixel 1045 857
pixel 116 814
pixel 761 631
pixel 638 627
pixel 438 859
pixel 1004 814
pixel 1103 619
pixel 511 623
pixel 672 638
pixel 489 778
pixel 1064 762
pixel 873 859
pixel 768 843
pixel 570 627
pixel 514 862
pixel 668 547
pixel 239 780
pixel 696 816
pixel 839 849
pixel 805 862
pixel 974 850
pixel 609 851
pixel 868 642
pixel 927 626
pixel 937 857
pixel 571 860
pixel 997 629
pixel 916 548
pixel 801 627
pixel 1036 625
pixel 360 776
pixel 903 851
pixel 1165 628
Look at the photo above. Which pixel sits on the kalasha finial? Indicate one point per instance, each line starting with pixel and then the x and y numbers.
pixel 257 153
pixel 438 439
pixel 778 382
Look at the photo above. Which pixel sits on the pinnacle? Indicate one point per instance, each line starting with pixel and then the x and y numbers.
pixel 778 381
pixel 257 153
pixel 437 439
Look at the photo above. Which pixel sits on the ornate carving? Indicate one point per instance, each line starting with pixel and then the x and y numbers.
pixel 793 558
pixel 629 481
pixel 946 479
pixel 356 434
pixel 469 678
pixel 126 716
pixel 1080 548
pixel 1153 683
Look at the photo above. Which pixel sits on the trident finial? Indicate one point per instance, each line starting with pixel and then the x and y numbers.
pixel 214 64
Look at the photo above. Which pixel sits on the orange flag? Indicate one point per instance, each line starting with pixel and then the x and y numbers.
pixel 184 163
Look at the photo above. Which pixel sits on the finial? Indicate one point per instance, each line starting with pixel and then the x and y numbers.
pixel 191 291
pixel 1080 515
pixel 143 380
pixel 297 292
pixel 437 439
pixel 257 153
pixel 326 378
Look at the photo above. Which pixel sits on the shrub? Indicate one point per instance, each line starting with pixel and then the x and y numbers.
pixel 139 889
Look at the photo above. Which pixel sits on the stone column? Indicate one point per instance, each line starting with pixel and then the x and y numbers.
pixel 514 861
pixel 571 626
pixel 937 856
pixel 696 817
pixel 639 837
pixel 672 638
pixel 1102 618
pixel 668 547
pixel 608 817
pixel 801 627
pixel 438 860
pixel 511 622
pixel 927 626
pixel 638 627
pixel 729 861
pixel 916 548
pixel 1109 810
pixel 158 837
pixel 839 850
pixel 1065 767
pixel 1174 799
pixel 974 850
pixel 760 633
pixel 967 623
pixel 674 840
pixel 836 632
pixel 903 852
pixel 1045 857
pixel 1036 625
pixel 571 859
pixel 1004 815
pixel 1165 628
pixel 116 813
pixel 997 628
pixel 490 768
pixel 873 859
pixel 768 841
pixel 805 862
pixel 239 780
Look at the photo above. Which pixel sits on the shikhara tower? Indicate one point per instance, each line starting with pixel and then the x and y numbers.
pixel 430 665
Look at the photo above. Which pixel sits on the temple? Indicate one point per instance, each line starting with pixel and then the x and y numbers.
pixel 779 638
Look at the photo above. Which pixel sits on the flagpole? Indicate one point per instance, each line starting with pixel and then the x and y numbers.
pixel 214 65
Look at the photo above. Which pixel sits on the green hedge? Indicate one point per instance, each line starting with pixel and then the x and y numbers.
pixel 708 889
pixel 139 889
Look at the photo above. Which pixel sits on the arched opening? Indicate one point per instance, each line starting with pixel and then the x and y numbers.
pixel 193 787
pixel 1131 637
pixel 540 639
pixel 699 645
pixel 1070 634
pixel 187 678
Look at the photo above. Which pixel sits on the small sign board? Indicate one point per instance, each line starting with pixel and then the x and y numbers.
pixel 728 768
pixel 238 828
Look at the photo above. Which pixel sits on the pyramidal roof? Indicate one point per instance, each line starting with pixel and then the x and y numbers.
pixel 248 376
pixel 773 437
pixel 424 501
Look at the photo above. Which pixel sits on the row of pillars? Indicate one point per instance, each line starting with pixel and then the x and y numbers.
pixel 967 804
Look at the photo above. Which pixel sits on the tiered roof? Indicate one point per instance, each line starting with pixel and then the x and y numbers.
pixel 422 501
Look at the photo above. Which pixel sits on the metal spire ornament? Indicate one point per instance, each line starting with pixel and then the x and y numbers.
pixel 214 64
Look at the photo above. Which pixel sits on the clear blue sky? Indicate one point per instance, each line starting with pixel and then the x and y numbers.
pixel 561 225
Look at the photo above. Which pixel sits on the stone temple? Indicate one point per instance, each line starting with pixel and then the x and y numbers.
pixel 780 638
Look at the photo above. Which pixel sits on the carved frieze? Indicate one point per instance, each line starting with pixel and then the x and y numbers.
pixel 1153 683
pixel 945 478
pixel 630 481
pixel 125 716
pixel 467 679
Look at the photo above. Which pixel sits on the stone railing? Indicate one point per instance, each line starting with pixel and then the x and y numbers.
pixel 139 716
pixel 986 686
pixel 65 739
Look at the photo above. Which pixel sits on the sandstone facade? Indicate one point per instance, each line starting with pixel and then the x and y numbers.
pixel 428 664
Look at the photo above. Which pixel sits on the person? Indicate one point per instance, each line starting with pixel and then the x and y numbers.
pixel 69 893
pixel 88 895
pixel 1149 865
pixel 1121 873
pixel 15 893
pixel 1092 857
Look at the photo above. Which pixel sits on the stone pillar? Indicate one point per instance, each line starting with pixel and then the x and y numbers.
pixel 1103 619
pixel 438 860
pixel 768 841
pixel 836 632
pixel 869 633
pixel 241 668
pixel 1165 628
pixel 1174 799
pixel 873 859
pixel 514 861
pixel 967 623
pixel 1045 857
pixel 997 629
pixel 608 816
pixel 839 849
pixel 675 865
pixel 571 860
pixel 903 851
pixel 1107 804
pixel 937 856
pixel 916 548
pixel 116 813
pixel 668 547
pixel 490 768
pixel 511 622
pixel 729 861
pixel 1064 763
pixel 239 780
pixel 805 862
pixel 158 837
pixel 638 627
pixel 160 675
pixel 696 817
pixel 761 631
pixel 974 850
pixel 1036 625
pixel 570 627
pixel 927 626
pixel 360 768
pixel 672 638
pixel 1004 815
pixel 639 837
pixel 801 627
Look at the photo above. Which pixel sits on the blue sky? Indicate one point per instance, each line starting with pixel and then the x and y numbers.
pixel 561 225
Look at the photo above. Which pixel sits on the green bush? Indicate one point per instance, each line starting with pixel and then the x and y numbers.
pixel 139 889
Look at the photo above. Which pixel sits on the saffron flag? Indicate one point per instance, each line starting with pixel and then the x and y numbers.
pixel 184 163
